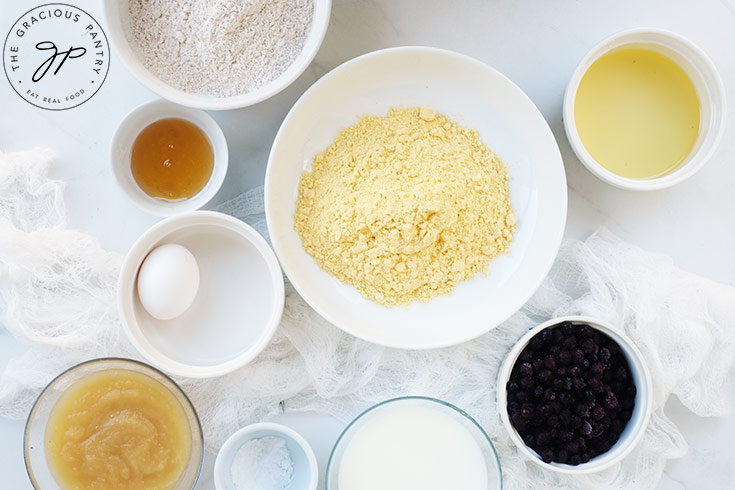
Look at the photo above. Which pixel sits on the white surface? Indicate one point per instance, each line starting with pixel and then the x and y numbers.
pixel 706 80
pixel 536 44
pixel 122 147
pixel 641 412
pixel 240 299
pixel 117 23
pixel 472 94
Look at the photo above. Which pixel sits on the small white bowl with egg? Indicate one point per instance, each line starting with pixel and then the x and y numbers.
pixel 200 294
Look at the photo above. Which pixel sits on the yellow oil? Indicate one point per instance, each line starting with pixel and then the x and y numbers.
pixel 637 113
pixel 118 429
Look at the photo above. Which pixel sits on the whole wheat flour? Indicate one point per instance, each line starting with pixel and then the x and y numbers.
pixel 219 47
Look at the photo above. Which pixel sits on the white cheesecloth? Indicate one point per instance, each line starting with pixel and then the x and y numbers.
pixel 57 296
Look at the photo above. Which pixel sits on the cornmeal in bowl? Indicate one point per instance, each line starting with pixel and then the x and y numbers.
pixel 405 206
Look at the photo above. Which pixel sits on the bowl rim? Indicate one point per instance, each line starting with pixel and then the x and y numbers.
pixel 120 165
pixel 645 391
pixel 417 398
pixel 101 360
pixel 143 75
pixel 276 428
pixel 680 173
pixel 288 267
pixel 145 243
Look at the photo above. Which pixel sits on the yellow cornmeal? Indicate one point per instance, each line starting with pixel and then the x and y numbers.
pixel 405 206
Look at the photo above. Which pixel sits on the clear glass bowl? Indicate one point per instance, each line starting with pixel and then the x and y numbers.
pixel 489 455
pixel 34 440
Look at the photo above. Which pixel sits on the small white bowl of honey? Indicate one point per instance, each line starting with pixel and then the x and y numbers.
pixel 169 159
pixel 645 109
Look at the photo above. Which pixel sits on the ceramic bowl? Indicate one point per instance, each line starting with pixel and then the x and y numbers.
pixel 236 311
pixel 35 431
pixel 707 83
pixel 117 17
pixel 305 471
pixel 637 424
pixel 474 95
pixel 122 144
pixel 425 409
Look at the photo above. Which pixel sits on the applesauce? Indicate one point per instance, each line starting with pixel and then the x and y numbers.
pixel 118 429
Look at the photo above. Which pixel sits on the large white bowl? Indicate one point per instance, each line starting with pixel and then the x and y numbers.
pixel 475 95
pixel 237 308
pixel 117 17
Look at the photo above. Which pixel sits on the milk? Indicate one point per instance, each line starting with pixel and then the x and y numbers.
pixel 407 446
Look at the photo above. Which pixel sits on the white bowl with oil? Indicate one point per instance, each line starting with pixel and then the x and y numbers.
pixel 122 145
pixel 707 83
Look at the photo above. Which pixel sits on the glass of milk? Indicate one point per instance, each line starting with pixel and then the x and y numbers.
pixel 413 443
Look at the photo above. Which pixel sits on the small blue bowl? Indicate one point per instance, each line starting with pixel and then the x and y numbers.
pixel 305 475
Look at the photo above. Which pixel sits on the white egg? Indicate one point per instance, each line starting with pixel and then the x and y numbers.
pixel 168 281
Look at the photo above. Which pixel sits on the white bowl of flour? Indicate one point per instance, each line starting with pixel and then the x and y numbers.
pixel 219 54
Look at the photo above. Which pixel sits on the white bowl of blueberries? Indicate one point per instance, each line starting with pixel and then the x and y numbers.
pixel 575 395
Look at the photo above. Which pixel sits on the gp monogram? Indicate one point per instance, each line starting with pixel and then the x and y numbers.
pixel 56 56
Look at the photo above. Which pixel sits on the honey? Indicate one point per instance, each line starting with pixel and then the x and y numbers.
pixel 637 113
pixel 172 159
pixel 118 429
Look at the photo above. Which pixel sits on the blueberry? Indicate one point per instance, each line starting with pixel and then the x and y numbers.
pixel 561 371
pixel 544 376
pixel 512 387
pixel 561 456
pixel 569 343
pixel 549 394
pixel 544 409
pixel 527 410
pixel 598 412
pixel 537 364
pixel 597 368
pixel 564 357
pixel 578 384
pixel 513 407
pixel 521 396
pixel 589 346
pixel 538 391
pixel 550 362
pixel 584 457
pixel 596 385
pixel 526 383
pixel 610 400
pixel 596 430
pixel 586 331
pixel 526 356
pixel 575 371
pixel 575 459
pixel 566 435
pixel 552 421
pixel 547 455
pixel 542 438
pixel 529 439
pixel 604 355
pixel 585 429
pixel 581 410
pixel 577 355
pixel 526 369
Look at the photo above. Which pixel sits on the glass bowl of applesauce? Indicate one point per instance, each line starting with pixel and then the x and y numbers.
pixel 414 442
pixel 113 423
